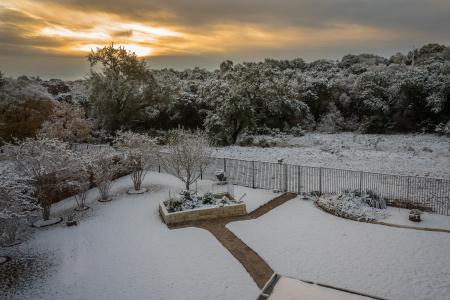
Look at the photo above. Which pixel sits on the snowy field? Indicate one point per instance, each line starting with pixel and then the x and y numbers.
pixel 299 240
pixel 416 155
pixel 122 250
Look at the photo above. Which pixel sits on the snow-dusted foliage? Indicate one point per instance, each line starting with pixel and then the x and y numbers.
pixel 16 201
pixel 106 165
pixel 186 200
pixel 49 163
pixel 80 180
pixel 365 206
pixel 67 123
pixel 186 155
pixel 370 94
pixel 139 150
pixel 124 93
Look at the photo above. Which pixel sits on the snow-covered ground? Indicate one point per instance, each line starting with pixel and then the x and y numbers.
pixel 299 240
pixel 122 250
pixel 399 216
pixel 416 155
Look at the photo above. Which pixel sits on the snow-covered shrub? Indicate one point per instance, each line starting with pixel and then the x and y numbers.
pixel 68 123
pixel 81 179
pixel 187 200
pixel 139 150
pixel 366 206
pixel 246 141
pixel 105 166
pixel 16 201
pixel 296 131
pixel 49 163
pixel 443 128
pixel 332 121
pixel 187 154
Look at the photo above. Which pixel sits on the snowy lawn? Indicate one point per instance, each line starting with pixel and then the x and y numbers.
pixel 399 216
pixel 299 240
pixel 416 155
pixel 122 250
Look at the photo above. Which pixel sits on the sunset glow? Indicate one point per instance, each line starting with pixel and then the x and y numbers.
pixel 174 32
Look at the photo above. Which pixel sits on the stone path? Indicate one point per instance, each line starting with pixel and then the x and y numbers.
pixel 258 269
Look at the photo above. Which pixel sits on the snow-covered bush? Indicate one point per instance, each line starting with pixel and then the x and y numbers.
pixel 187 154
pixel 105 166
pixel 81 179
pixel 365 206
pixel 443 128
pixel 67 123
pixel 49 163
pixel 139 150
pixel 296 131
pixel 16 201
pixel 187 200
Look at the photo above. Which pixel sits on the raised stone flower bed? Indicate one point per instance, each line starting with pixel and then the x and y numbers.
pixel 196 214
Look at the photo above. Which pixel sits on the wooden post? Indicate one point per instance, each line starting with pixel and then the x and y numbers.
pixel 299 180
pixel 201 173
pixel 225 165
pixel 159 168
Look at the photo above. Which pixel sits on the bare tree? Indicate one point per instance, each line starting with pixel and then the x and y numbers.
pixel 187 155
pixel 106 165
pixel 50 165
pixel 16 201
pixel 139 150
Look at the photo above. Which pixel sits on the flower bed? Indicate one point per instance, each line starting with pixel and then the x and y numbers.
pixel 191 207
pixel 365 206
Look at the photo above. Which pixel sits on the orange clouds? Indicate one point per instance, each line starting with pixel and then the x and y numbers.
pixel 74 31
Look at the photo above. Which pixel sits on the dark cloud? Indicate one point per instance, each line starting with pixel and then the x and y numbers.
pixel 387 26
pixel 403 14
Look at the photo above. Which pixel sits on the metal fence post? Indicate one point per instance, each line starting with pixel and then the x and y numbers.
pixel 225 165
pixel 253 174
pixel 360 181
pixel 320 180
pixel 285 178
pixel 159 168
pixel 408 188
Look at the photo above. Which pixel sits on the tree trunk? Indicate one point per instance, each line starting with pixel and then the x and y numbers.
pixel 187 186
pixel 46 211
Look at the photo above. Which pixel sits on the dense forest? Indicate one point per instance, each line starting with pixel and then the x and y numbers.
pixel 364 93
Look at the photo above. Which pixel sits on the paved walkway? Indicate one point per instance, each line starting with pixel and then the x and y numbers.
pixel 258 269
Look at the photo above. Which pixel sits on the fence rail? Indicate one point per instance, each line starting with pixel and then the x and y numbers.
pixel 430 194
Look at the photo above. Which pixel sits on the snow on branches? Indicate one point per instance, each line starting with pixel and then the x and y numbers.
pixel 139 150
pixel 49 163
pixel 187 155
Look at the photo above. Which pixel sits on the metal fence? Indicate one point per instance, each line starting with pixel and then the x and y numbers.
pixel 430 194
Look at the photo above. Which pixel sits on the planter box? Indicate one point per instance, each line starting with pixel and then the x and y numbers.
pixel 201 213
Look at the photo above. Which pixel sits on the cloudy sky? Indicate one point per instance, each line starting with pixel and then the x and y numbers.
pixel 51 38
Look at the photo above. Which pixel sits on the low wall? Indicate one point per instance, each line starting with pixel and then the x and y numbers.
pixel 201 214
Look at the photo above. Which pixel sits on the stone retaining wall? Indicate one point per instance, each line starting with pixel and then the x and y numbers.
pixel 201 214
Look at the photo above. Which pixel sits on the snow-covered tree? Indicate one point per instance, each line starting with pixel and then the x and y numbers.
pixel 187 154
pixel 16 201
pixel 68 123
pixel 49 163
pixel 124 94
pixel 139 151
